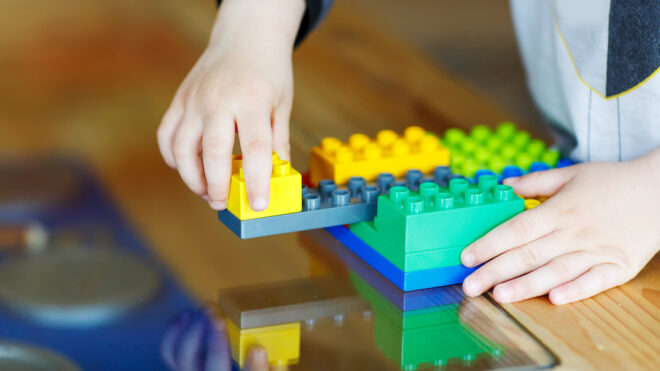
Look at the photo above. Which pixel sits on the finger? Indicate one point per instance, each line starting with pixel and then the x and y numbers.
pixel 188 354
pixel 514 263
pixel 517 231
pixel 255 136
pixel 542 183
pixel 257 359
pixel 217 147
pixel 281 136
pixel 186 147
pixel 173 336
pixel 167 128
pixel 540 281
pixel 218 355
pixel 592 282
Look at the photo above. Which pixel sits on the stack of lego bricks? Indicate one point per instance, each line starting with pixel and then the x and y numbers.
pixel 413 201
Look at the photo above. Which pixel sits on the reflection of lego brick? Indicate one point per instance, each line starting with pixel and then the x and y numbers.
pixel 406 281
pixel 282 342
pixel 289 301
pixel 285 191
pixel 403 300
pixel 367 157
pixel 435 218
pixel 428 259
pixel 323 207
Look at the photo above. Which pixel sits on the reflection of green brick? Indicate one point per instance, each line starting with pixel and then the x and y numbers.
pixel 435 218
pixel 425 336
pixel 483 148
pixel 406 262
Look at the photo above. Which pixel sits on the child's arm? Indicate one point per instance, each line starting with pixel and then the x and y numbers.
pixel 242 80
pixel 598 230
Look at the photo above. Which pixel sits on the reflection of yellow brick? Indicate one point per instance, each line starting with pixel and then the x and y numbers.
pixel 282 342
pixel 285 191
pixel 366 157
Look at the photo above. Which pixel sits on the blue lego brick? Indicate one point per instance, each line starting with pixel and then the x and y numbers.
pixel 406 281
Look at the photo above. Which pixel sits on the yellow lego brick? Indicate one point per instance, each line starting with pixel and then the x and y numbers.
pixel 282 342
pixel 366 157
pixel 531 203
pixel 285 191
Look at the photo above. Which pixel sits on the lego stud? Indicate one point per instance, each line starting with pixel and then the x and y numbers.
pixel 468 145
pixel 369 194
pixel 511 171
pixel 329 145
pixel 535 148
pixel 482 155
pixel 384 182
pixel 358 141
pixel 444 200
pixel 311 202
pixel 521 139
pixel 398 194
pixel 503 192
pixel 326 186
pixel 453 136
pixel 538 166
pixel 400 148
pixel 413 205
pixel 440 173
pixel 355 183
pixel 427 191
pixel 494 143
pixel 341 197
pixel 524 160
pixel 496 164
pixel 458 186
pixel 372 151
pixel 508 152
pixel 531 203
pixel 480 133
pixel 386 137
pixel 414 134
pixel 486 183
pixel 344 154
pixel 505 130
pixel 413 177
pixel 474 196
pixel 428 144
pixel 281 168
pixel 550 157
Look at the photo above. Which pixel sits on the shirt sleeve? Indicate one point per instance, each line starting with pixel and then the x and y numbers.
pixel 315 12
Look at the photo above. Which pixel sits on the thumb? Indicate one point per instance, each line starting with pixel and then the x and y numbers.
pixel 542 183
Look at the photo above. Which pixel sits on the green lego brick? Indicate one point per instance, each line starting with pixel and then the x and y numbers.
pixel 484 148
pixel 406 320
pixel 436 218
pixel 407 262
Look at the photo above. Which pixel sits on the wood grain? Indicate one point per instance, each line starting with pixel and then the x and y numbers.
pixel 93 79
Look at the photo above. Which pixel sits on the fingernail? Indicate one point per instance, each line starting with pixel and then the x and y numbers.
pixel 503 294
pixel 471 286
pixel 467 258
pixel 259 204
pixel 218 205
pixel 557 298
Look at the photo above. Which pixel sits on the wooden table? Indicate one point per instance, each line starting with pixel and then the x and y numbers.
pixel 93 79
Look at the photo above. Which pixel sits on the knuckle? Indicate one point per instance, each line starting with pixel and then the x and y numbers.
pixel 259 146
pixel 217 149
pixel 528 256
pixel 560 269
pixel 519 229
pixel 179 149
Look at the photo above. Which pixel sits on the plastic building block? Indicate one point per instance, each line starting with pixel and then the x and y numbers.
pixel 367 157
pixel 531 203
pixel 406 281
pixel 285 191
pixel 435 218
pixel 323 207
pixel 289 301
pixel 403 300
pixel 282 342
pixel 407 262
pixel 494 150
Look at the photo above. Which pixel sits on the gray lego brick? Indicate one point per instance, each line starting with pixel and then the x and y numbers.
pixel 290 301
pixel 329 205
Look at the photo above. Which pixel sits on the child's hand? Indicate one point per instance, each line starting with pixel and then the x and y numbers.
pixel 597 231
pixel 243 80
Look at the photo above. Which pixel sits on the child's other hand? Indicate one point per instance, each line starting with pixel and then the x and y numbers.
pixel 598 230
pixel 242 81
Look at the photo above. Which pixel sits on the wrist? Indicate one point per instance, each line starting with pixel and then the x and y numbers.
pixel 271 24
